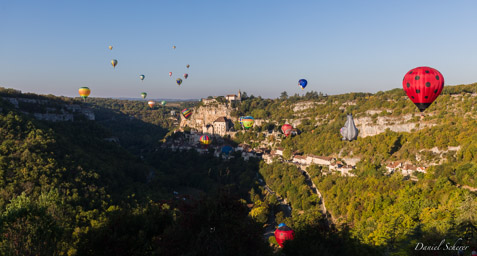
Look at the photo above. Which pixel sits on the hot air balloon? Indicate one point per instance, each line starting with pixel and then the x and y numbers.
pixel 283 233
pixel 170 73
pixel 240 121
pixel 186 113
pixel 163 102
pixel 247 122
pixel 287 129
pixel 151 103
pixel 110 47
pixel 186 75
pixel 114 63
pixel 188 66
pixel 349 130
pixel 142 77
pixel 179 81
pixel 143 95
pixel 205 140
pixel 174 47
pixel 423 85
pixel 84 92
pixel 302 83
pixel 227 149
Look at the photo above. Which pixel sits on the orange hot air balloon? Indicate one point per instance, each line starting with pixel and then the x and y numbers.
pixel 151 103
pixel 84 92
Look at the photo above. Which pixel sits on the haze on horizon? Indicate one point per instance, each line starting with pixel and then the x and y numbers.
pixel 260 47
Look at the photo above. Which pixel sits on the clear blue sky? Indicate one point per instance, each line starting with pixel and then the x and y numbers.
pixel 259 46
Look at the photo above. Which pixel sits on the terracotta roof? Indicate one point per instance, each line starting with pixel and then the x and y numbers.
pixel 327 158
pixel 281 149
pixel 231 95
pixel 220 119
pixel 299 157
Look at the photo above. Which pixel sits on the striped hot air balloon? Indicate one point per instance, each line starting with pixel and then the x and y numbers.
pixel 84 92
pixel 114 63
pixel 247 122
pixel 186 113
pixel 151 103
pixel 205 140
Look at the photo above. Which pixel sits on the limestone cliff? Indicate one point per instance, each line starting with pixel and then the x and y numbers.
pixel 43 109
pixel 204 115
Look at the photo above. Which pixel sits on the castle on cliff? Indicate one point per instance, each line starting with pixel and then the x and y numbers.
pixel 229 98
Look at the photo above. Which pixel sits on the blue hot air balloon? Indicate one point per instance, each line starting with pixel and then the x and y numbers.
pixel 226 149
pixel 302 83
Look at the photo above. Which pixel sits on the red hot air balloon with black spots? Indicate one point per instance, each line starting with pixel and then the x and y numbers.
pixel 423 85
pixel 283 233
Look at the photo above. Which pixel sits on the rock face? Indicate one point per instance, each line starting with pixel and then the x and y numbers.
pixel 49 111
pixel 367 127
pixel 205 115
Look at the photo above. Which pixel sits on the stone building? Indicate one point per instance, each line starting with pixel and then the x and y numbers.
pixel 221 126
pixel 233 97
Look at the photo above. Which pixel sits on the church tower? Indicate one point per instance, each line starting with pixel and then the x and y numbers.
pixel 239 96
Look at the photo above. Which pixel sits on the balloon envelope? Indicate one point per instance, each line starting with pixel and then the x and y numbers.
pixel 143 95
pixel 179 81
pixel 186 113
pixel 110 47
pixel 151 103
pixel 205 140
pixel 142 77
pixel 186 75
pixel 170 73
pixel 114 63
pixel 283 233
pixel 84 92
pixel 188 66
pixel 287 129
pixel 302 83
pixel 163 102
pixel 247 122
pixel 423 85
pixel 349 130
pixel 227 149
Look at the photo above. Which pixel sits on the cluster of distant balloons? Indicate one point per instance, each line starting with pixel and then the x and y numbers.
pixel 84 92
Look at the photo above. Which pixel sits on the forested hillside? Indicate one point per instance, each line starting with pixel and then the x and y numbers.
pixel 108 186
pixel 65 190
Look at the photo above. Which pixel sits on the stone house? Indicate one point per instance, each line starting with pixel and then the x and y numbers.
pixel 221 126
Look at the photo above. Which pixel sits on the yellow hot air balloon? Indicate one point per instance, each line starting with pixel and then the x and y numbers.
pixel 84 92
pixel 114 63
pixel 110 47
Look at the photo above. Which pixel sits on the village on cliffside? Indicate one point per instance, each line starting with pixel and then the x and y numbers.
pixel 213 117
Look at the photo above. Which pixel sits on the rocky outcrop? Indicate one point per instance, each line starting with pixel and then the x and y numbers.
pixel 50 111
pixel 369 127
pixel 206 115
